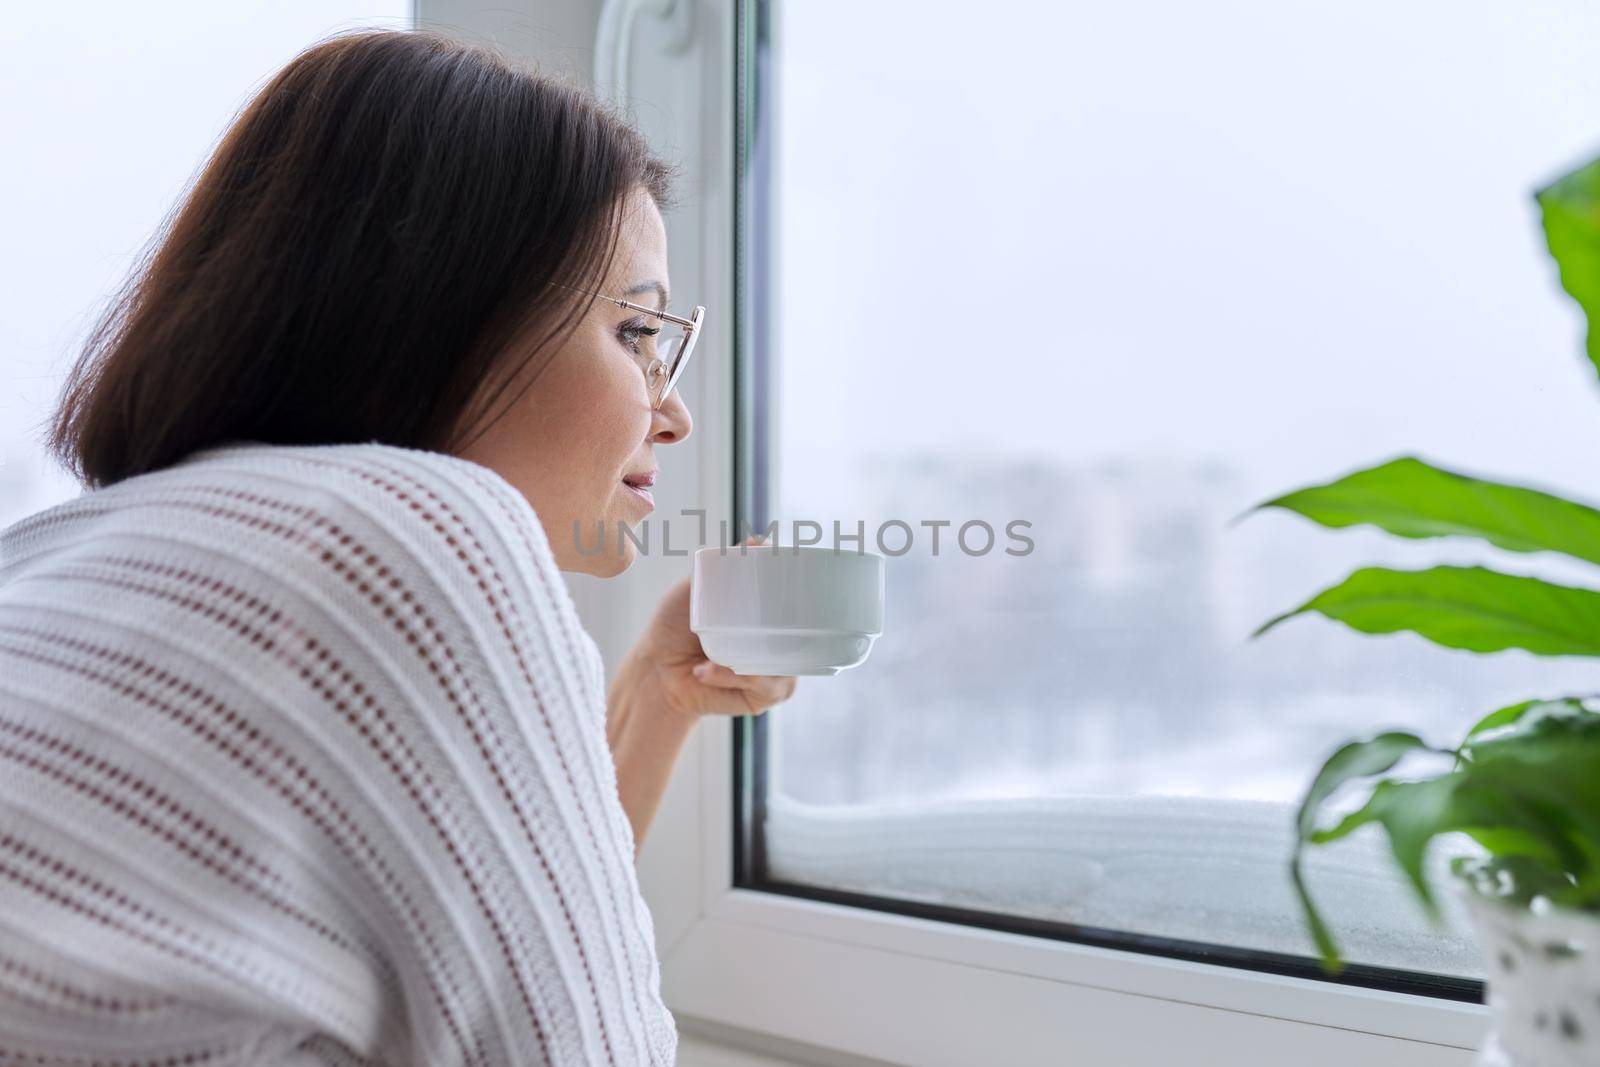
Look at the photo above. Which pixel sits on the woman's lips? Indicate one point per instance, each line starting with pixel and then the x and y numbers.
pixel 639 485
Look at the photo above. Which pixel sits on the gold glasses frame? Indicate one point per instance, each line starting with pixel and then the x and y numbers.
pixel 658 376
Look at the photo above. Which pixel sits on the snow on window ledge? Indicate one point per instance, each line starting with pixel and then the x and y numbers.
pixel 1197 869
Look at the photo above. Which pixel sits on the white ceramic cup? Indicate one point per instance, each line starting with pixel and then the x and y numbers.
pixel 782 609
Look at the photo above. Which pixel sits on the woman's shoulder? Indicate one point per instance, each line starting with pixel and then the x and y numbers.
pixel 435 497
pixel 352 526
pixel 289 501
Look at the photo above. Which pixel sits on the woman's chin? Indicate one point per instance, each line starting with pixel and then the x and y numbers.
pixel 608 564
pixel 615 563
pixel 602 547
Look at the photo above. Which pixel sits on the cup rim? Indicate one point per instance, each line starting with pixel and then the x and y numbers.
pixel 794 551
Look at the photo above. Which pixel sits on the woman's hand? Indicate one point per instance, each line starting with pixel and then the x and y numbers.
pixel 690 684
pixel 661 689
pixel 668 658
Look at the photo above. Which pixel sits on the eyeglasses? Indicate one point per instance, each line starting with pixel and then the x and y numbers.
pixel 664 351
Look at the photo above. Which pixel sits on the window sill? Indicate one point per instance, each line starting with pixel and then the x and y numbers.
pixel 1196 870
pixel 913 990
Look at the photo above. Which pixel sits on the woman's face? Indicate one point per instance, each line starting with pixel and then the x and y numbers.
pixel 585 428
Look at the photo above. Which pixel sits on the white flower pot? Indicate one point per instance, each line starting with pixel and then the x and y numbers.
pixel 1543 971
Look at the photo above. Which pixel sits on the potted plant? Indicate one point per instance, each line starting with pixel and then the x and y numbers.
pixel 1524 783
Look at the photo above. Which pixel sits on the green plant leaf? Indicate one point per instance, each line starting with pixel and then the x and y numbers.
pixel 1529 712
pixel 1352 761
pixel 1535 786
pixel 1413 813
pixel 1500 717
pixel 1549 759
pixel 1571 216
pixel 1539 795
pixel 1470 608
pixel 1505 842
pixel 1411 498
pixel 1526 788
pixel 1541 728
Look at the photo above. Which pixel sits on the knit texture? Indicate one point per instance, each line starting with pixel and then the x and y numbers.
pixel 303 760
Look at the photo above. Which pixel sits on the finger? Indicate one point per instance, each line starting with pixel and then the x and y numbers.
pixel 727 678
pixel 765 689
pixel 730 702
pixel 768 689
pixel 737 701
pixel 715 674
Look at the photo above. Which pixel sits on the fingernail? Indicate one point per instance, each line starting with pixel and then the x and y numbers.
pixel 702 669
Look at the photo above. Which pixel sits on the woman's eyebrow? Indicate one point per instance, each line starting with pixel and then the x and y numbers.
pixel 650 286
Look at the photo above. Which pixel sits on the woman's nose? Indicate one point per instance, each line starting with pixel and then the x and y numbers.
pixel 672 421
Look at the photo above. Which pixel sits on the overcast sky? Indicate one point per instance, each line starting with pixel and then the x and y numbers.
pixel 1297 238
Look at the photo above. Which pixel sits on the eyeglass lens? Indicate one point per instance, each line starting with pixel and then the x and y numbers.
pixel 667 347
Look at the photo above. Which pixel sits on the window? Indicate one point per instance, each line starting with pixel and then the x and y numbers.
pixel 1123 272
pixel 111 109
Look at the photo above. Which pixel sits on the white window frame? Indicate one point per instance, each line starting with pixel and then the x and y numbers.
pixel 874 984
pixel 883 985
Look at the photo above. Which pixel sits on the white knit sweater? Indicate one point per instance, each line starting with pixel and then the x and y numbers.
pixel 303 760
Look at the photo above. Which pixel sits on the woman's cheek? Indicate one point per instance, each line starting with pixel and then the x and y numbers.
pixel 631 414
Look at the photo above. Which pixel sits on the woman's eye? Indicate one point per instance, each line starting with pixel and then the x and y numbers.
pixel 631 332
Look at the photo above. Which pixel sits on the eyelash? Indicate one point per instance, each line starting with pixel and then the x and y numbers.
pixel 632 331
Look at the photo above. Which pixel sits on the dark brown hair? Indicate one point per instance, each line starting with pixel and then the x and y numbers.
pixel 355 261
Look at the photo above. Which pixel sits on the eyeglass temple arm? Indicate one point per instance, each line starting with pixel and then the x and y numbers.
pixel 636 307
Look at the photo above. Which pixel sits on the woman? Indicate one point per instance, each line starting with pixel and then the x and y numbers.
pixel 304 754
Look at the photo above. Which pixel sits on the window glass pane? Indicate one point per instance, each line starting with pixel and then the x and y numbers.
pixel 1123 271
pixel 109 110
